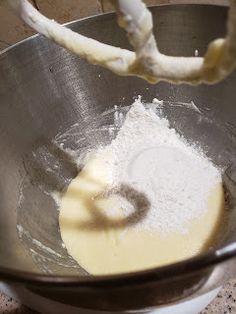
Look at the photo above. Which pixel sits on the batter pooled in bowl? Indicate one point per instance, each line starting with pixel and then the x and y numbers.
pixel 146 200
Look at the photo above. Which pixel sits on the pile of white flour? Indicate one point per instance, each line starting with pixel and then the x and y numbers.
pixel 153 159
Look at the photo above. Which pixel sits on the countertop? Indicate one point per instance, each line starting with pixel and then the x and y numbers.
pixel 224 303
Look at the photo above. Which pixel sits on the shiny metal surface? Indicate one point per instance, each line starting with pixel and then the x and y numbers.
pixel 52 101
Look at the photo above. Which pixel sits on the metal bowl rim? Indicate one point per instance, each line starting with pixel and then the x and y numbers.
pixel 169 272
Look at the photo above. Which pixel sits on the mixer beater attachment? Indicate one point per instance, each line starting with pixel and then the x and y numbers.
pixel 146 61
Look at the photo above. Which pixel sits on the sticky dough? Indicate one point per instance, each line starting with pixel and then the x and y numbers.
pixel 146 61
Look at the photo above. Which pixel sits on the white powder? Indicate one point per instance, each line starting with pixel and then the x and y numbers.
pixel 151 158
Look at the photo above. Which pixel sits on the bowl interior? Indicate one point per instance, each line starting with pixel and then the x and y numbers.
pixel 54 107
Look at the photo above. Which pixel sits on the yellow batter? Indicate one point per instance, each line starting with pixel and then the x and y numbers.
pixel 102 244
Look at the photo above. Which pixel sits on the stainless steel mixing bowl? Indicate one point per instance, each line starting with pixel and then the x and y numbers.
pixel 53 104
